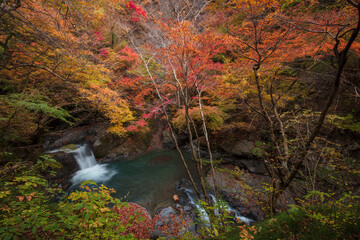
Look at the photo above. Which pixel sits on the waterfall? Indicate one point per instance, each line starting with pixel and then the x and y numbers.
pixel 202 213
pixel 194 200
pixel 228 208
pixel 89 168
pixel 84 157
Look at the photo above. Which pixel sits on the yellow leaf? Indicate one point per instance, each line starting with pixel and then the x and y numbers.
pixel 105 209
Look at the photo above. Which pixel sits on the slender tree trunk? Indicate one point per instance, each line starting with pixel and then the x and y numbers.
pixel 341 58
pixel 207 142
pixel 169 125
pixel 197 160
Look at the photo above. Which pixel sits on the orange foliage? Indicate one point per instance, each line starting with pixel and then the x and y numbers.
pixel 274 32
pixel 110 103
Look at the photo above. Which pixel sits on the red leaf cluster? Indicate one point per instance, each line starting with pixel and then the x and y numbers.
pixel 138 11
pixel 104 52
pixel 136 126
pixel 174 225
pixel 128 57
pixel 98 36
pixel 137 220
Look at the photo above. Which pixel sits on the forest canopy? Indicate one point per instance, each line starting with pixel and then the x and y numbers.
pixel 284 72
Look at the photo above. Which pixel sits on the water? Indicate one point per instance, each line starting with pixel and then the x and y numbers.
pixel 149 180
pixel 194 200
pixel 99 173
pixel 89 168
pixel 84 157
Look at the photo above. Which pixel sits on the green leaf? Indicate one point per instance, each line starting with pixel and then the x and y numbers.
pixel 38 104
pixel 8 236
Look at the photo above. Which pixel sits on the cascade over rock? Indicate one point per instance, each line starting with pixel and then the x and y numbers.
pixel 84 157
pixel 245 191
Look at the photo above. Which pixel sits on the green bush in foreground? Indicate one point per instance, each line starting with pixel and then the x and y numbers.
pixel 28 212
pixel 329 219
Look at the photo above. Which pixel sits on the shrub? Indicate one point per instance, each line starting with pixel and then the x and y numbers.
pixel 28 209
pixel 329 219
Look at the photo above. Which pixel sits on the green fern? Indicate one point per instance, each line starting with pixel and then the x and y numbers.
pixel 39 104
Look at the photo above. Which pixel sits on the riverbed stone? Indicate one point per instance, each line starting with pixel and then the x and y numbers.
pixel 171 223
pixel 239 148
pixel 252 165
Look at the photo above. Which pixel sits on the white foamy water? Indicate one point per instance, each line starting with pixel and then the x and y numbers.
pixel 228 208
pixel 203 214
pixel 194 200
pixel 97 173
pixel 89 168
pixel 84 157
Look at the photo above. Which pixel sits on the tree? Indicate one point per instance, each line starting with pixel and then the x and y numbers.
pixel 186 69
pixel 262 36
pixel 50 67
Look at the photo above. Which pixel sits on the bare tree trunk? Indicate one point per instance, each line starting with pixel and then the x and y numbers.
pixel 207 141
pixel 341 58
pixel 168 122
pixel 197 160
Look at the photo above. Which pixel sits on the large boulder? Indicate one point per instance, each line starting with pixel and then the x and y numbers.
pixel 89 134
pixel 167 141
pixel 251 165
pixel 240 153
pixel 171 223
pixel 242 148
pixel 354 150
pixel 69 167
pixel 105 143
pixel 246 192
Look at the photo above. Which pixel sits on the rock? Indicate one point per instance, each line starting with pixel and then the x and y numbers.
pixel 76 135
pixel 353 146
pixel 105 143
pixel 188 208
pixel 354 150
pixel 170 223
pixel 70 166
pixel 245 191
pixel 355 154
pixel 168 142
pixel 252 165
pixel 239 148
pixel 240 153
pixel 348 142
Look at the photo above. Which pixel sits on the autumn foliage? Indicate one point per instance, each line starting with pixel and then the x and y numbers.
pixel 138 11
pixel 284 73
pixel 138 220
